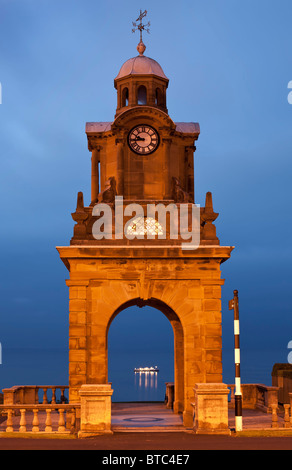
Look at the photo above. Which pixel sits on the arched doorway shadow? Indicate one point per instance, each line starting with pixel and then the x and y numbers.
pixel 177 357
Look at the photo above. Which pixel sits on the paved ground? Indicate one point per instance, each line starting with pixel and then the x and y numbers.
pixel 161 441
pixel 140 416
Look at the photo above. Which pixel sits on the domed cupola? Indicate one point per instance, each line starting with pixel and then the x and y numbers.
pixel 141 81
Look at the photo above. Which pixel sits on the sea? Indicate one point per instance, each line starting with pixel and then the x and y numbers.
pixel 50 367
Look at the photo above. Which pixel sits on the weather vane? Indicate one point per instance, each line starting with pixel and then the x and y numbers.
pixel 141 27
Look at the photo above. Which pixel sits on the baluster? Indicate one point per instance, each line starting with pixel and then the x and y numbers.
pixel 9 425
pixel 49 427
pixel 287 416
pixel 73 420
pixel 62 394
pixel 35 422
pixel 274 416
pixel 22 424
pixel 45 398
pixel 53 395
pixel 61 427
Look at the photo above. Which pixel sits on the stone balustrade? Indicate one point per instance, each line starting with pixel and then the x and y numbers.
pixel 34 394
pixel 39 418
pixel 256 396
pixel 287 415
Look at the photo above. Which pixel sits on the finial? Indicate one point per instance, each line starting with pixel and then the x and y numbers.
pixel 141 27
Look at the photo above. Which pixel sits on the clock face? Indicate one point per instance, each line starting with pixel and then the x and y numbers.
pixel 143 139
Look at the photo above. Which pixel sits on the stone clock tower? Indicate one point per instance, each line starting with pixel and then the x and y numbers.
pixel 143 149
pixel 144 157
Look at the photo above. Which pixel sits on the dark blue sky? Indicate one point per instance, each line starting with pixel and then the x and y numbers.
pixel 229 64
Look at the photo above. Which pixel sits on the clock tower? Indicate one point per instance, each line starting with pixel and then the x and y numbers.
pixel 143 157
pixel 142 149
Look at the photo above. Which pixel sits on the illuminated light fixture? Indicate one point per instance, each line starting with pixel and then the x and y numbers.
pixel 144 226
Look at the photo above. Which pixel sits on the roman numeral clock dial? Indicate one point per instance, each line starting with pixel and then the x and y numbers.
pixel 143 140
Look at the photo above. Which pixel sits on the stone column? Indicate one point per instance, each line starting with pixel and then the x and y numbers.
pixel 170 394
pixel 119 97
pixel 9 395
pixel 211 409
pixel 120 167
pixel 95 410
pixel 95 159
pixel 165 168
pixel 151 94
pixel 132 94
pixel 190 184
pixel 178 405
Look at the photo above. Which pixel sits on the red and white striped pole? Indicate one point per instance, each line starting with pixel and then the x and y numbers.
pixel 233 305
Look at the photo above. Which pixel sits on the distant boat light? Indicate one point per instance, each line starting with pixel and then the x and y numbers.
pixel 146 369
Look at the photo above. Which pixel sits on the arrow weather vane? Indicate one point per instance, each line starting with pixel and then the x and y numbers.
pixel 141 27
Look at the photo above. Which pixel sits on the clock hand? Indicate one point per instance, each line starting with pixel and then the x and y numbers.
pixel 138 138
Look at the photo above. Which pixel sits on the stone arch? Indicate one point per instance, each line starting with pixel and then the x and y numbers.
pixel 153 302
pixel 178 342
pixel 125 97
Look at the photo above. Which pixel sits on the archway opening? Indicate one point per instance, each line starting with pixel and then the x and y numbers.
pixel 125 97
pixel 142 95
pixel 140 337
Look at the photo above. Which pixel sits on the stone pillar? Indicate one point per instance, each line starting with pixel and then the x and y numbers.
pixel 189 171
pixel 119 97
pixel 169 394
pixel 9 395
pixel 165 168
pixel 77 337
pixel 30 395
pixel 178 405
pixel 133 94
pixel 95 410
pixel 95 159
pixel 151 94
pixel 211 409
pixel 120 167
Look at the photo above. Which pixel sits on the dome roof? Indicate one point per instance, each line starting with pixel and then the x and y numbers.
pixel 141 65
